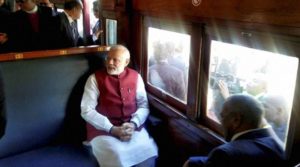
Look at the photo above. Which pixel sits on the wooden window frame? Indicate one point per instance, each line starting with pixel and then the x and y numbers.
pixel 287 45
pixel 186 28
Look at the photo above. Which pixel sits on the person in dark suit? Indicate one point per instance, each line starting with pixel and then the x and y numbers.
pixel 4 7
pixel 49 4
pixel 4 26
pixel 32 27
pixel 67 23
pixel 249 145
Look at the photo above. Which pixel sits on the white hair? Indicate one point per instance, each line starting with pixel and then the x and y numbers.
pixel 122 48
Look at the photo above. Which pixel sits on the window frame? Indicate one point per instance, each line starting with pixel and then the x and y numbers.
pixel 287 45
pixel 186 28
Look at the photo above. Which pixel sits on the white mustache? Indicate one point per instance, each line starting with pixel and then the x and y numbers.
pixel 112 66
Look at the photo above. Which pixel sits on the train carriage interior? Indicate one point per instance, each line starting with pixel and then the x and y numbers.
pixel 213 49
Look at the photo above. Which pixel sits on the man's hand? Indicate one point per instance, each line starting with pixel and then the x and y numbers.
pixel 124 132
pixel 98 32
pixel 224 89
pixel 3 37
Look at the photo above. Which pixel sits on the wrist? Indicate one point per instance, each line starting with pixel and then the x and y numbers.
pixel 111 130
pixel 134 124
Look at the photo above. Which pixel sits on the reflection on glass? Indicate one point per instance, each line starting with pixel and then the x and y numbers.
pixel 269 77
pixel 168 61
pixel 111 32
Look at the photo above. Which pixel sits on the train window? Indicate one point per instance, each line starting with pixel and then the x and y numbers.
pixel 168 62
pixel 270 77
pixel 80 25
pixel 111 32
pixel 94 14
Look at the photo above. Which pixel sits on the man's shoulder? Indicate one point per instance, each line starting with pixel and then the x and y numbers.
pixel 19 13
pixel 132 71
pixel 62 16
pixel 100 72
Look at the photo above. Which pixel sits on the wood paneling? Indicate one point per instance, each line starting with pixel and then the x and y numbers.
pixel 176 137
pixel 51 53
pixel 108 4
pixel 275 12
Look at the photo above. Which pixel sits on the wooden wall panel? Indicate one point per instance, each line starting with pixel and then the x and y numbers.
pixel 176 137
pixel 275 12
pixel 52 53
pixel 108 4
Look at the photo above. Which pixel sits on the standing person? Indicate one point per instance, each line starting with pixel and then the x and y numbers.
pixel 33 27
pixel 249 145
pixel 49 4
pixel 96 30
pixel 4 26
pixel 164 75
pixel 68 35
pixel 115 106
pixel 276 114
pixel 4 7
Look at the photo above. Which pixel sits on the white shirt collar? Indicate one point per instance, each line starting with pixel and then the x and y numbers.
pixel 34 10
pixel 234 137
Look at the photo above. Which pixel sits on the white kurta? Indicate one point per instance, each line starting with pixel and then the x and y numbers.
pixel 110 151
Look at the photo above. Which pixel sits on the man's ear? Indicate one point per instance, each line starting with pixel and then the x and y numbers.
pixel 236 121
pixel 127 62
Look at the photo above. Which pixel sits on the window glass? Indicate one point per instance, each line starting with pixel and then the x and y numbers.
pixel 268 76
pixel 80 25
pixel 94 14
pixel 168 62
pixel 111 32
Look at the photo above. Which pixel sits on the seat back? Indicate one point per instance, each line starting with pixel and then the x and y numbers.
pixel 43 101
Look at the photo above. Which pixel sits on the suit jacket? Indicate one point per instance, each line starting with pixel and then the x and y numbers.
pixel 65 33
pixel 4 13
pixel 90 38
pixel 256 148
pixel 23 35
pixel 4 27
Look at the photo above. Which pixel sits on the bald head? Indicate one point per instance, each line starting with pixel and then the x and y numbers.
pixel 276 109
pixel 240 113
pixel 250 109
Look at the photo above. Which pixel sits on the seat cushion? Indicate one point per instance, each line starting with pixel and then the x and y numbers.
pixel 52 156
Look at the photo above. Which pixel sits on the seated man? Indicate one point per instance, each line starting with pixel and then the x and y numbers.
pixel 249 145
pixel 115 106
